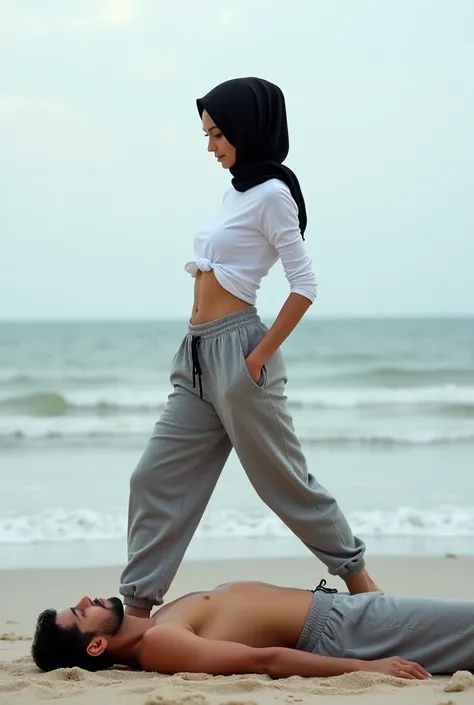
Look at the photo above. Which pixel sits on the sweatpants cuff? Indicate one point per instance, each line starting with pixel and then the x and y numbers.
pixel 349 570
pixel 138 603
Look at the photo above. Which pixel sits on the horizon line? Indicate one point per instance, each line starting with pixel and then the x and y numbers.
pixel 180 319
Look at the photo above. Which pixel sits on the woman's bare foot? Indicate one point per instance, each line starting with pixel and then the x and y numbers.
pixel 361 582
pixel 137 612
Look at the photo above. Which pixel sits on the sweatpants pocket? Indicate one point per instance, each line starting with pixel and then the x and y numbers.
pixel 263 376
pixel 248 341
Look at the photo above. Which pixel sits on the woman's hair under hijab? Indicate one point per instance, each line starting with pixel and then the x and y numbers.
pixel 64 647
pixel 251 113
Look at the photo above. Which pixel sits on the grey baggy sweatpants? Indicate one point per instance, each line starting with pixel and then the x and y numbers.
pixel 176 475
pixel 436 633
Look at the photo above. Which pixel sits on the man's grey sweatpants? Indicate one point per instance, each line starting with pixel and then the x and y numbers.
pixel 176 475
pixel 436 633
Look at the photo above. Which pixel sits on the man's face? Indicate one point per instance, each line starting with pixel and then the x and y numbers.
pixel 102 616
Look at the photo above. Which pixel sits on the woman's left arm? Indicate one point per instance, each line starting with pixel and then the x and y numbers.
pixel 290 315
pixel 280 225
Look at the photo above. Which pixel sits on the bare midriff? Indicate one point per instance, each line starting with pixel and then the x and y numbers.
pixel 256 614
pixel 211 300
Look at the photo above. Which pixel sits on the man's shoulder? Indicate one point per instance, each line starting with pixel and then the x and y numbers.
pixel 160 634
pixel 159 646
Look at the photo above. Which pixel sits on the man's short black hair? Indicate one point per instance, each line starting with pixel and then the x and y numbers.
pixel 64 647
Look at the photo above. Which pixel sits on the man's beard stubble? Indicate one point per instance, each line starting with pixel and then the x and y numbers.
pixel 113 621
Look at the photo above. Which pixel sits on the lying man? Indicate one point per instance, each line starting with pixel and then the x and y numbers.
pixel 250 627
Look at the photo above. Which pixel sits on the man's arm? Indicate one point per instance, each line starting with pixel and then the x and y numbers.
pixel 176 650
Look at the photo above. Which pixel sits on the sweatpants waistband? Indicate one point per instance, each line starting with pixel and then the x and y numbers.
pixel 316 621
pixel 226 324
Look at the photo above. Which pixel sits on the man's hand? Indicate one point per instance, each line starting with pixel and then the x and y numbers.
pixel 398 667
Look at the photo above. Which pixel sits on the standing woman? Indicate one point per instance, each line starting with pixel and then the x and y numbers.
pixel 228 375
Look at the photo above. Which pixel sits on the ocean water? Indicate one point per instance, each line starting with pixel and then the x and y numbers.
pixel 384 410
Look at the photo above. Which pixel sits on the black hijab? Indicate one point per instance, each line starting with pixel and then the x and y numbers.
pixel 251 113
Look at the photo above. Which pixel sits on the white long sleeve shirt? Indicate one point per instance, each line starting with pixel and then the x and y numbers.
pixel 249 233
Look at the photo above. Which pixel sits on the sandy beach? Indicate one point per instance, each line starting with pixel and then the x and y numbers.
pixel 26 593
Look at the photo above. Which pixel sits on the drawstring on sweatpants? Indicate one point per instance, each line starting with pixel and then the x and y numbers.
pixel 196 364
pixel 329 591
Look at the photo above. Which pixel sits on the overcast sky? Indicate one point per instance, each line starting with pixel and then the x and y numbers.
pixel 104 175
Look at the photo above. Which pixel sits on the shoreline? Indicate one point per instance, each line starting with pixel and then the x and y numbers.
pixel 111 554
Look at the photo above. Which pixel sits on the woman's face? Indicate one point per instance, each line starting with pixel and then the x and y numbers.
pixel 224 152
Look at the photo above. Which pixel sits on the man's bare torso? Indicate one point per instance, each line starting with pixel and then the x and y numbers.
pixel 251 613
